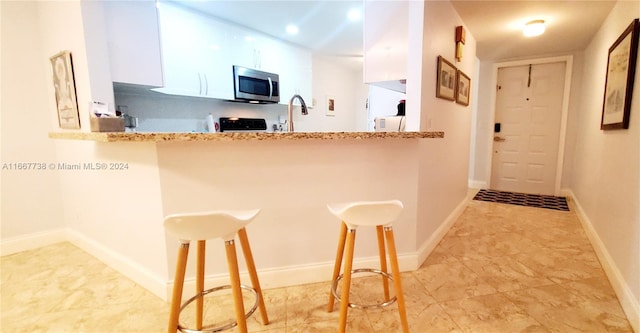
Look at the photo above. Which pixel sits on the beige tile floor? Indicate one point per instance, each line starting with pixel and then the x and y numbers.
pixel 500 268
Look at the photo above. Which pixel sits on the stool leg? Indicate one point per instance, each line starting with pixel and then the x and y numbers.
pixel 200 282
pixel 383 261
pixel 251 265
pixel 338 263
pixel 346 281
pixel 178 283
pixel 232 262
pixel 395 269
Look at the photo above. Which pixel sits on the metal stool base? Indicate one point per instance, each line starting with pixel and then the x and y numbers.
pixel 334 287
pixel 208 328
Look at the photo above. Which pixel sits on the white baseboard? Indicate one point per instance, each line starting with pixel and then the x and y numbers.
pixel 123 265
pixel 279 277
pixel 425 250
pixel 478 184
pixel 31 241
pixel 630 305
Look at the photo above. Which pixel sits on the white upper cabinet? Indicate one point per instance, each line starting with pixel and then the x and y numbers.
pixel 386 35
pixel 133 42
pixel 261 52
pixel 189 53
pixel 195 54
pixel 295 73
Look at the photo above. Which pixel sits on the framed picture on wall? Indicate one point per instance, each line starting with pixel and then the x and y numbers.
pixel 463 88
pixel 446 85
pixel 65 89
pixel 621 68
pixel 331 106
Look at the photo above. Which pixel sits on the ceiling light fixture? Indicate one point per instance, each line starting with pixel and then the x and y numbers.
pixel 292 29
pixel 534 28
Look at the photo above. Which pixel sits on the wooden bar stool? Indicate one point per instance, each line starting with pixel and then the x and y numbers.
pixel 367 213
pixel 202 227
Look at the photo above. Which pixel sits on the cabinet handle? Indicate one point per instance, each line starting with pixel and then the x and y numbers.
pixel 206 84
pixel 200 83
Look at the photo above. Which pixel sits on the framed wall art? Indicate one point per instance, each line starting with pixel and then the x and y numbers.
pixel 65 88
pixel 446 85
pixel 331 106
pixel 463 88
pixel 621 67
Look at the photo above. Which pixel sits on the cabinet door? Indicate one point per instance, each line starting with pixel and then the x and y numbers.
pixel 295 73
pixel 215 55
pixel 245 47
pixel 180 51
pixel 195 54
pixel 133 42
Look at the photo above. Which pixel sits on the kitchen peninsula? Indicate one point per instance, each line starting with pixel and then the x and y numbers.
pixel 164 137
pixel 290 176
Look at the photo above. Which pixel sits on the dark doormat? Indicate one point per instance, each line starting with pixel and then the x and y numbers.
pixel 523 199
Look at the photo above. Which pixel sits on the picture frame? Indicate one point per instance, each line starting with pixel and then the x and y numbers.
pixel 463 88
pixel 621 67
pixel 65 90
pixel 446 80
pixel 331 106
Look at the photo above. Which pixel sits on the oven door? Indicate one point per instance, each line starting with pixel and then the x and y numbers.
pixel 255 86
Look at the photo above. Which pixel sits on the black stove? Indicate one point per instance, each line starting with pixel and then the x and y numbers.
pixel 233 124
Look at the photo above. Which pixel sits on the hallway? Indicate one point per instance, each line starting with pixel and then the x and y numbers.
pixel 500 268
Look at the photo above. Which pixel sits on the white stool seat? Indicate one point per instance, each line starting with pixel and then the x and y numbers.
pixel 209 225
pixel 367 213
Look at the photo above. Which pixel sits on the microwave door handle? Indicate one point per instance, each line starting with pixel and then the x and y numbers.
pixel 270 88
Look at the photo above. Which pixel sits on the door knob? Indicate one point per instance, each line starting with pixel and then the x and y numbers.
pixel 499 139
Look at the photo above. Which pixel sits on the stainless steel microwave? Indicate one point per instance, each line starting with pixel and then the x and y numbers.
pixel 254 86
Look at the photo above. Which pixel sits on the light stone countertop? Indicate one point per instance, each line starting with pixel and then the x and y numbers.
pixel 195 137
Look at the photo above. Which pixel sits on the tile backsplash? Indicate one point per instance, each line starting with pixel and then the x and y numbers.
pixel 158 112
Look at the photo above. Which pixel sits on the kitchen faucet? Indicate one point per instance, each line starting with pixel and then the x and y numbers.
pixel 290 111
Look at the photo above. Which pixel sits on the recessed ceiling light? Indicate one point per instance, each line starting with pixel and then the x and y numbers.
pixel 354 14
pixel 292 29
pixel 534 28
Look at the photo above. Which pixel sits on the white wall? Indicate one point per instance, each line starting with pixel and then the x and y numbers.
pixel 331 77
pixel 484 127
pixel 447 158
pixel 606 166
pixel 30 198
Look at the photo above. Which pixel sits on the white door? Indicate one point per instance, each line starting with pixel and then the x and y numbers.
pixel 529 111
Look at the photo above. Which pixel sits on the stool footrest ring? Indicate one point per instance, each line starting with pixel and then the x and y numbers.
pixel 210 328
pixel 334 287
